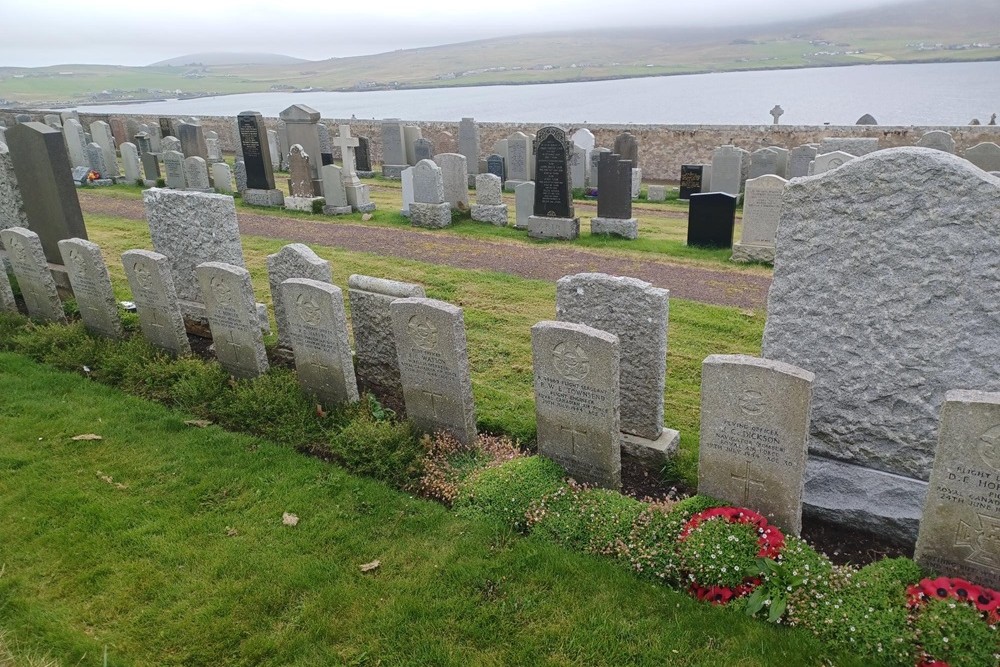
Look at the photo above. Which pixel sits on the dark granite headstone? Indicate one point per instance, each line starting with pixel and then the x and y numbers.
pixel 691 175
pixel 256 151
pixel 495 165
pixel 711 219
pixel 362 155
pixel 423 149
pixel 553 196
pixel 614 197
pixel 44 175
pixel 143 143
pixel 627 146
pixel 192 140
pixel 150 166
pixel 166 129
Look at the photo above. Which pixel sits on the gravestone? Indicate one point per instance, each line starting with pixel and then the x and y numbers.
pixel 100 134
pixel 553 215
pixel 171 144
pixel 11 205
pixel 363 158
pixel 376 359
pixel 593 172
pixel 578 167
pixel 585 139
pixel 763 161
pixel 76 143
pixel 155 138
pixel 272 145
pixel 130 163
pixel 782 161
pixel 727 169
pixel 302 128
pixel 53 121
pixel 887 342
pixel 519 159
pixel 27 259
pixel 627 146
pixel 637 313
pixel 256 151
pixel 468 145
pixel 454 174
pixel 577 400
pixel 325 145
pixel 776 113
pixel 192 138
pixel 824 162
pixel 656 193
pixel 233 318
pixel 799 159
pixel 855 146
pixel 614 199
pixel 692 180
pixel 196 174
pixel 489 206
pixel 43 172
pixel 867 119
pixel 960 529
pixel 317 326
pixel 636 183
pixel 495 165
pixel 151 168
pixel 334 193
pixel 95 156
pixel 240 174
pixel 222 178
pixel 393 148
pixel 295 260
pixel 938 140
pixel 213 148
pixel 986 156
pixel 300 182
pixel 411 134
pixel 283 145
pixel 173 166
pixel 434 367
pixel 155 299
pixel 166 128
pixel 88 276
pixel 8 304
pixel 761 211
pixel 711 219
pixel 408 193
pixel 754 435
pixel 428 208
pixel 423 149
pixel 358 196
pixel 524 204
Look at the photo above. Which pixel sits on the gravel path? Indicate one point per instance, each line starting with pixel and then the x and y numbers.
pixel 548 262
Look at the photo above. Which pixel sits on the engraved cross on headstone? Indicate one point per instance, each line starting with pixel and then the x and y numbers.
pixel 777 112
pixel 234 347
pixel 572 436
pixel 748 481
pixel 347 144
pixel 433 397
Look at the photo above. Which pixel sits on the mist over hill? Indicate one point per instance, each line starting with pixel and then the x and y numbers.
pixel 216 59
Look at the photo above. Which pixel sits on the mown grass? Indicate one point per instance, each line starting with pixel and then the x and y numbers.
pixel 163 544
pixel 500 310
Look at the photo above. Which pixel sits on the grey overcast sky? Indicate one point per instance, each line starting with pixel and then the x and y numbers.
pixel 37 33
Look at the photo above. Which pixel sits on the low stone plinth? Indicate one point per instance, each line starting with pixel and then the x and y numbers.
pixel 495 214
pixel 566 229
pixel 753 253
pixel 273 198
pixel 628 229
pixel 431 216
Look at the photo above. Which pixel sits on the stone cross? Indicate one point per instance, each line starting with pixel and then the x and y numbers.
pixel 777 112
pixel 346 143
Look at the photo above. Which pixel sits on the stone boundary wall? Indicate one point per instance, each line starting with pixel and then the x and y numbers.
pixel 662 148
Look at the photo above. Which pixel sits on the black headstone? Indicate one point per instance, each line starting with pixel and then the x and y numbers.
pixel 326 158
pixel 362 155
pixel 627 146
pixel 495 165
pixel 614 196
pixel 256 151
pixel 150 166
pixel 553 196
pixel 691 175
pixel 44 174
pixel 166 130
pixel 711 219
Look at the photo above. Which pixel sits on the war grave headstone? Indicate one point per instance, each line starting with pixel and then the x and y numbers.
pixel 358 195
pixel 468 145
pixel 100 134
pixel 799 159
pixel 150 168
pixel 192 138
pixel 429 209
pixel 434 366
pixel 577 400
pixel 495 165
pixel 960 527
pixel 91 283
pixel 518 159
pixel 295 260
pixel 553 215
pixel 423 149
pixel 325 145
pixel 171 144
pixel 334 194
pixel 317 325
pixel 637 313
pixel 754 435
pixel 76 143
pixel 95 155
pixel 27 259
pixel 727 166
pixel 222 178
pixel 196 174
pixel 11 205
pixel 173 166
pixel 233 318
pixel 578 166
pixel 454 173
pixel 938 140
pixel 363 158
pixel 885 344
pixel 406 176
pixel 824 162
pixel 258 161
pixel 856 146
pixel 48 195
pixel 302 128
pixel 763 161
pixel 986 156
pixel 711 219
pixel 376 359
pixel 524 204
pixel 153 292
pixel 300 181
pixel 489 206
pixel 761 212
pixel 656 193
pixel 393 148
pixel 411 134
pixel 272 142
pixel 691 180
pixel 614 199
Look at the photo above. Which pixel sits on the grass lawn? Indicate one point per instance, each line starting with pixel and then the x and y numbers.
pixel 163 544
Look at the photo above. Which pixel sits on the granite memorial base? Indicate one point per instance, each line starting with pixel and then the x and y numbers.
pixel 432 216
pixel 745 252
pixel 301 203
pixel 541 227
pixel 365 174
pixel 509 185
pixel 628 229
pixel 495 214
pixel 337 210
pixel 652 455
pixel 274 198
pixel 393 171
